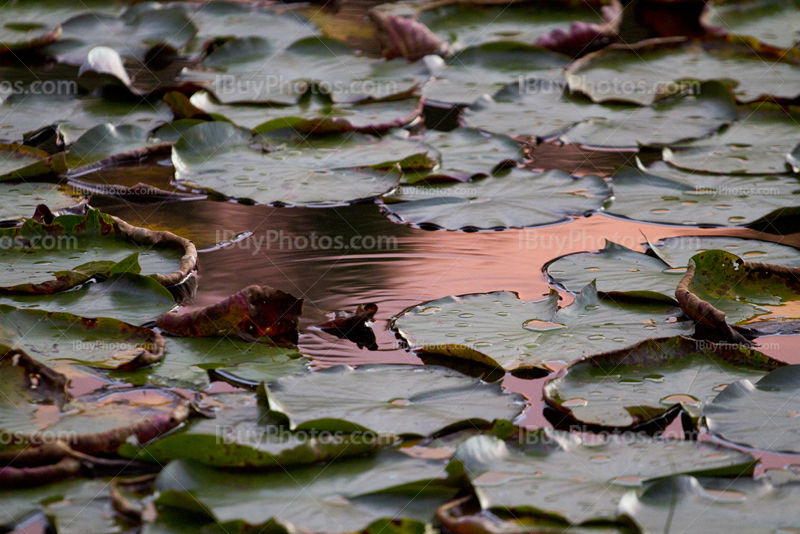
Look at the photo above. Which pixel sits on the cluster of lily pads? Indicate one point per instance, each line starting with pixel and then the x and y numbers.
pixel 104 403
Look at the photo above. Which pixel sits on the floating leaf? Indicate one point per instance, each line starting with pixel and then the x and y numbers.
pixel 132 34
pixel 504 200
pixel 773 22
pixel 698 506
pixel 20 200
pixel 545 109
pixel 47 258
pixel 763 415
pixel 757 144
pixel 252 313
pixel 499 330
pixel 242 437
pixel 319 172
pixel 396 399
pixel 467 154
pixel 346 496
pixel 318 116
pixel 664 194
pixel 404 37
pixel 638 71
pixel 720 287
pixel 57 336
pixel 620 271
pixel 487 68
pixel 632 386
pixel 557 474
pixel 191 360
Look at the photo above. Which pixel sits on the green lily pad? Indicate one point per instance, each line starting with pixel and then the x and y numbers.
pixel 775 22
pixel 740 289
pixel 191 359
pixel 540 108
pixel 648 70
pixel 232 19
pixel 465 25
pixel 621 271
pixel 317 115
pixel 487 68
pixel 127 297
pixel 762 416
pixel 466 154
pixel 98 342
pixel 131 34
pixel 23 113
pixel 19 201
pixel 14 157
pixel 713 505
pixel 632 386
pixel 47 258
pixel 515 199
pixel 398 399
pixel 326 171
pixel 242 437
pixel 345 496
pixel 664 194
pixel 249 69
pixel 757 144
pixel 74 506
pixel 499 330
pixel 557 474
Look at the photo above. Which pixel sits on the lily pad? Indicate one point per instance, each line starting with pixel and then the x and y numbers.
pixel 316 115
pixel 346 496
pixel 775 22
pixel 621 271
pixel 499 330
pixel 127 297
pixel 47 258
pixel 191 359
pixel 465 25
pixel 332 170
pixel 545 109
pixel 646 71
pixel 243 437
pixel 554 473
pixel 664 194
pixel 20 200
pixel 131 34
pixel 762 415
pixel 398 399
pixel 487 68
pixel 629 387
pixel 515 199
pixel 698 506
pixel 757 144
pixel 249 69
pixel 467 154
pixel 720 286
pixel 98 342
pixel 14 157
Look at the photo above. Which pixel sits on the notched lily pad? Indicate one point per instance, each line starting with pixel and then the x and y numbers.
pixel 398 399
pixel 763 415
pixel 553 473
pixel 501 331
pixel 292 170
pixel 719 287
pixel 701 505
pixel 648 70
pixel 513 199
pixel 632 386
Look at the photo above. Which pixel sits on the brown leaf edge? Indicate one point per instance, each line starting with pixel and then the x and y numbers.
pixel 652 351
pixel 704 313
pixel 253 312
